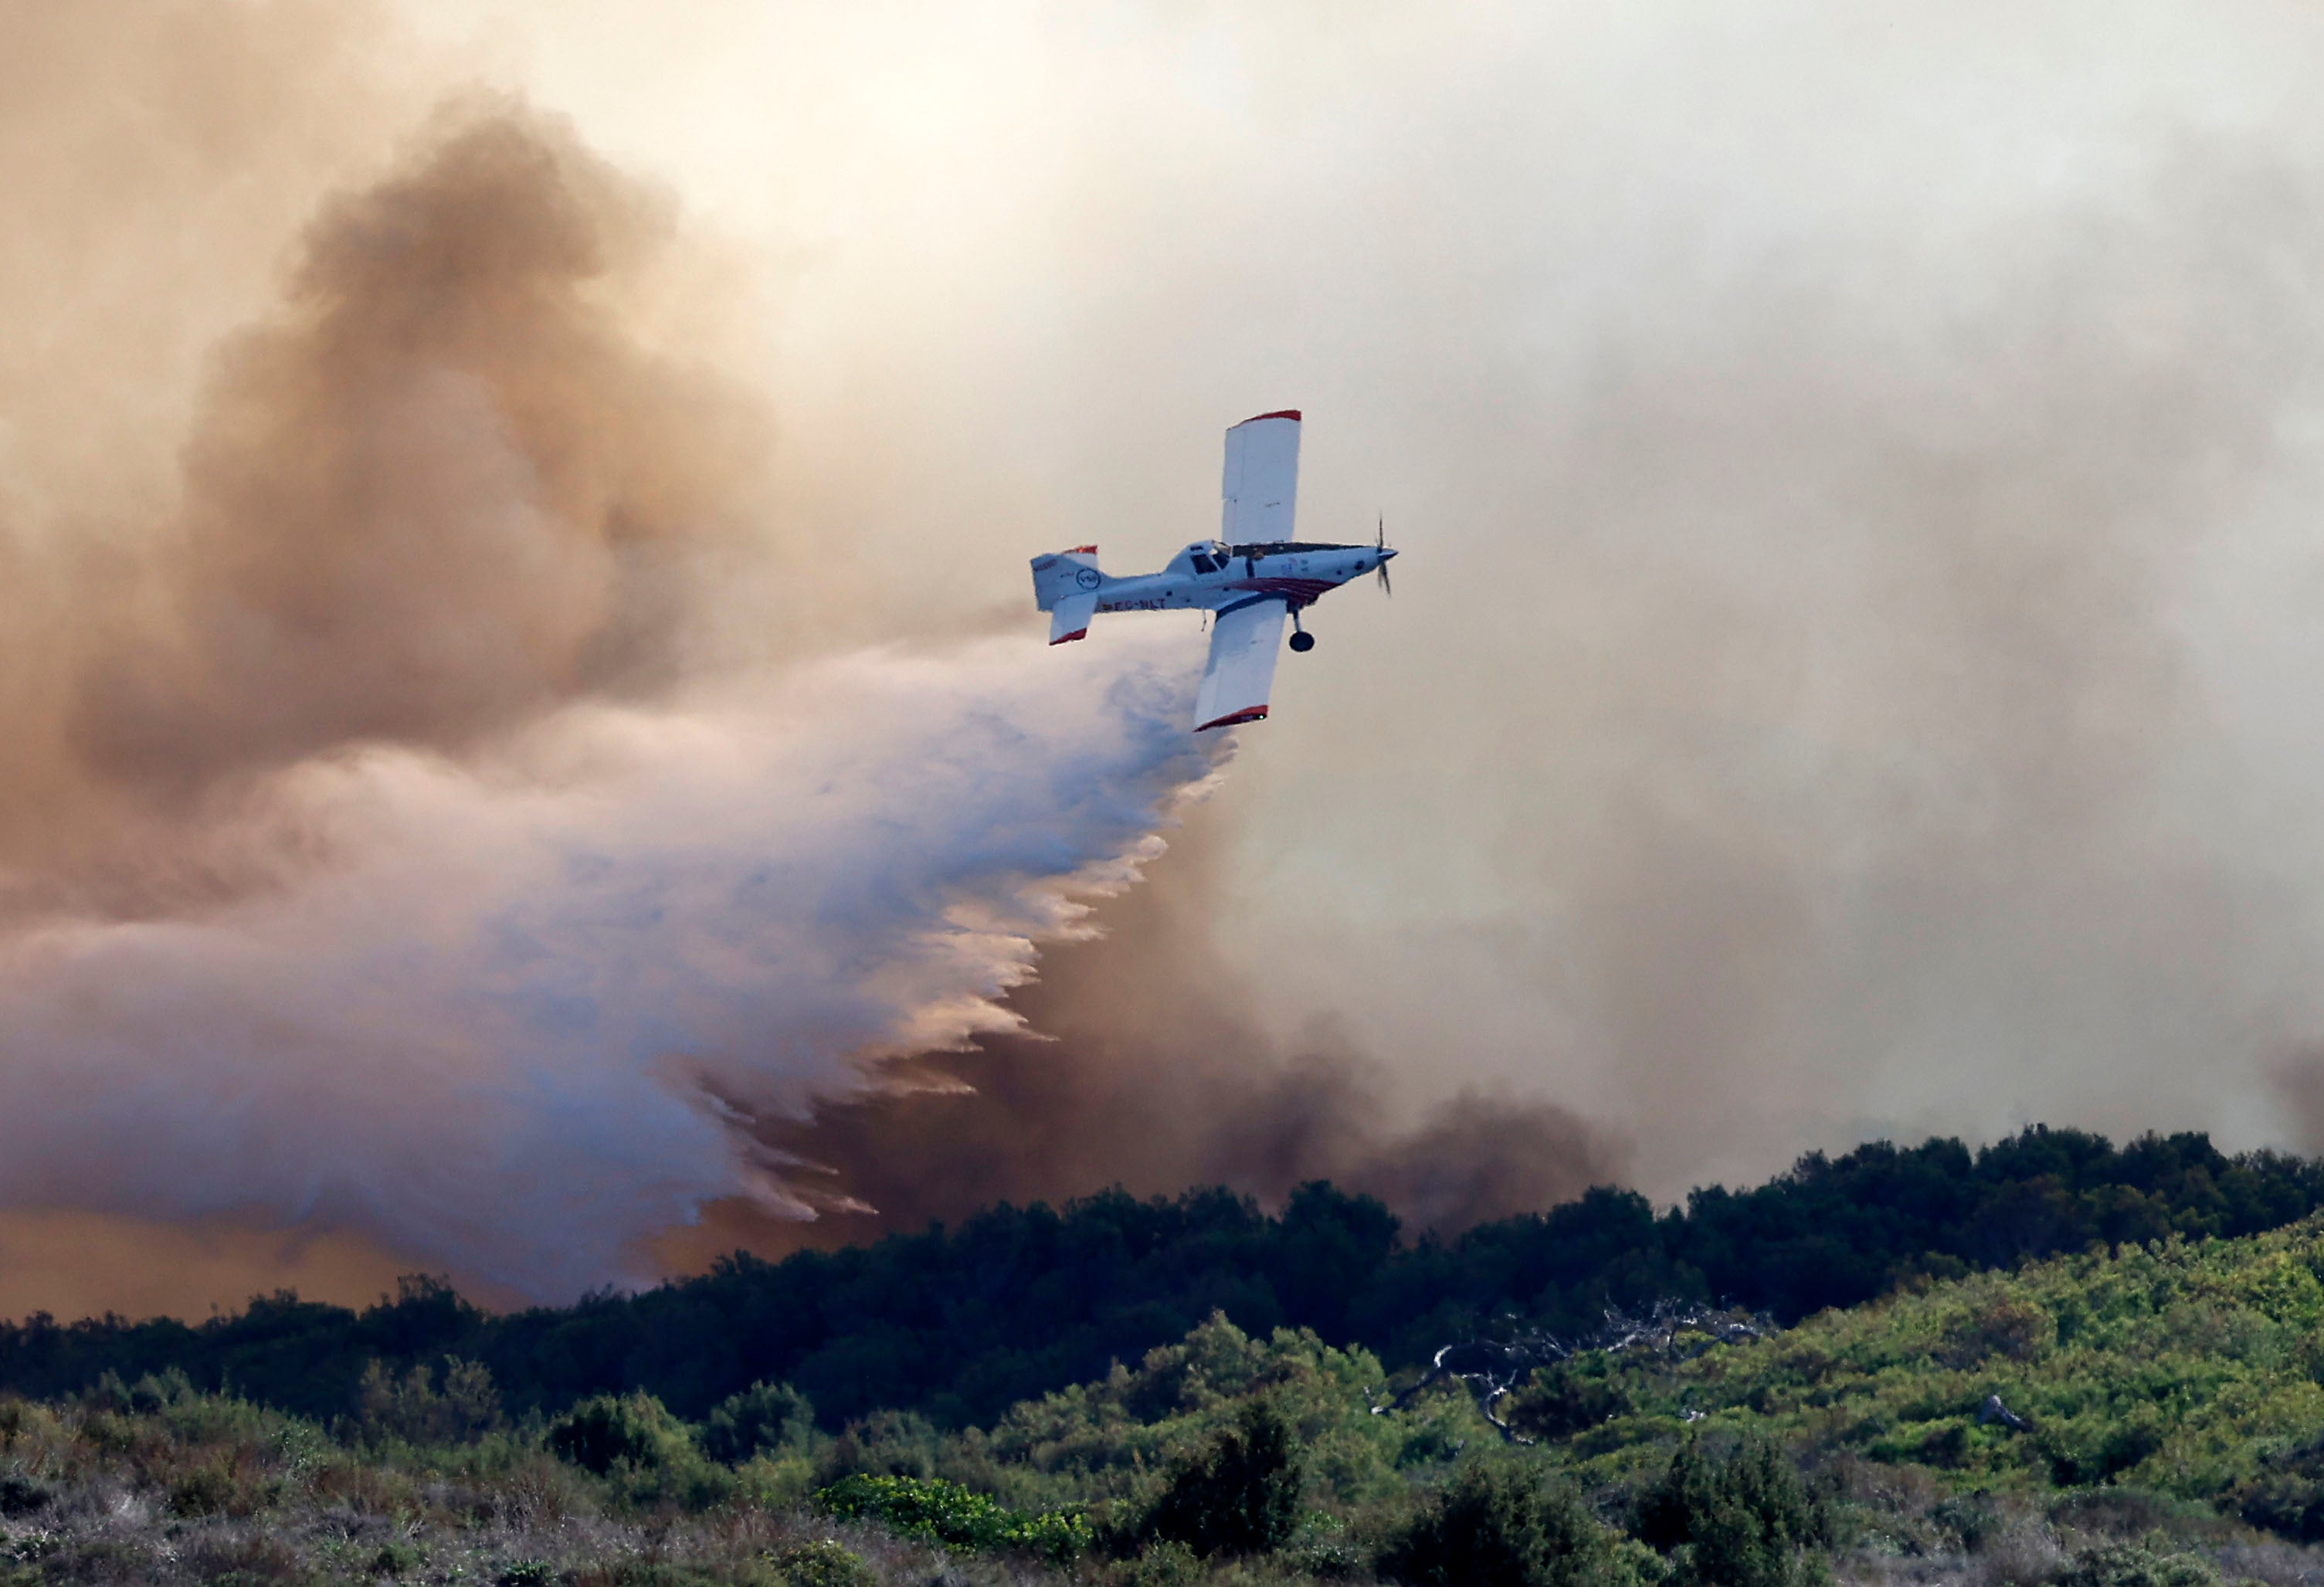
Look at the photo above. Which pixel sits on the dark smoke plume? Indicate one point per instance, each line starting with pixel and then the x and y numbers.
pixel 1144 1066
pixel 449 491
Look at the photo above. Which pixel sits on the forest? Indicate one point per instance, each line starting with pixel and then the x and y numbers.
pixel 2131 1414
pixel 958 1324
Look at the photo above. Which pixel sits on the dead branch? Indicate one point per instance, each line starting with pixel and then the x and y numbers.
pixel 1492 1368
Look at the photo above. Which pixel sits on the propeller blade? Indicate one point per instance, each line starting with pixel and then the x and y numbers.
pixel 1384 583
pixel 1380 537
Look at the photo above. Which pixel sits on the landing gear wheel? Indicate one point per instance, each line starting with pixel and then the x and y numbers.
pixel 1303 640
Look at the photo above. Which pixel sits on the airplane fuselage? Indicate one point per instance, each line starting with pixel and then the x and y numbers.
pixel 1217 576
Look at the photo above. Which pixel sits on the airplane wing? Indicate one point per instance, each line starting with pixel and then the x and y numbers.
pixel 1243 643
pixel 1261 489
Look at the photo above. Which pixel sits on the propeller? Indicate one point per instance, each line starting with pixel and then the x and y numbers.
pixel 1380 544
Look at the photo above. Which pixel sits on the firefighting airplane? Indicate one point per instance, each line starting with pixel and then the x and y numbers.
pixel 1253 577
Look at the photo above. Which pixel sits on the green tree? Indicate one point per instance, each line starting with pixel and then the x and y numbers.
pixel 765 1418
pixel 1239 1493
pixel 1501 1526
pixel 632 1430
pixel 1744 1519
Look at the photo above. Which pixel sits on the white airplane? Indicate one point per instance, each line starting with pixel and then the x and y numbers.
pixel 1254 576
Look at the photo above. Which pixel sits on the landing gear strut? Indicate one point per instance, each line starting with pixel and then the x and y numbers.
pixel 1301 639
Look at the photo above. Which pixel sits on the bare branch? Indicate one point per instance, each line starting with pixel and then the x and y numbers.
pixel 1492 1368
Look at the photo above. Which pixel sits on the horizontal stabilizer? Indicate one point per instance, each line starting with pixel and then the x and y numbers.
pixel 1070 618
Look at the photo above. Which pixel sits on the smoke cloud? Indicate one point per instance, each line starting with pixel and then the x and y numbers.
pixel 1849 672
pixel 1144 1064
pixel 507 1025
pixel 441 873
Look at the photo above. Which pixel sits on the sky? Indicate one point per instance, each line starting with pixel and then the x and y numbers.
pixel 1853 448
pixel 1849 673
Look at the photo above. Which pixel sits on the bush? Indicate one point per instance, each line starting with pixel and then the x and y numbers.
pixel 1163 1564
pixel 820 1563
pixel 2125 1564
pixel 20 1495
pixel 208 1490
pixel 1568 1399
pixel 2289 1506
pixel 1240 1494
pixel 411 1408
pixel 396 1559
pixel 1501 1526
pixel 766 1419
pixel 151 1393
pixel 947 1513
pixel 2288 1498
pixel 1743 1520
pixel 886 1443
pixel 634 1431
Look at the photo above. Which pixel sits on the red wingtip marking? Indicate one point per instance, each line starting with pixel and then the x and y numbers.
pixel 1290 413
pixel 1081 551
pixel 1066 639
pixel 1255 713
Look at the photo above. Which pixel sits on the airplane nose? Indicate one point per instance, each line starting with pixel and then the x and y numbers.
pixel 1384 553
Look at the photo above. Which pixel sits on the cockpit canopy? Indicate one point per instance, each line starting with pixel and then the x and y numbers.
pixel 1202 557
pixel 1212 555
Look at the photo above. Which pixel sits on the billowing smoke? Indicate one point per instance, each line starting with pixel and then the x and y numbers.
pixel 1145 1065
pixel 446 881
pixel 448 489
pixel 507 1019
pixel 474 843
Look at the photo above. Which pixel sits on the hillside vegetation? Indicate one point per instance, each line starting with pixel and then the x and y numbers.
pixel 2151 1415
pixel 959 1324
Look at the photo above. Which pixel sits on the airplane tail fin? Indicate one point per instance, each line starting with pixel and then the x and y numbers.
pixel 1063 575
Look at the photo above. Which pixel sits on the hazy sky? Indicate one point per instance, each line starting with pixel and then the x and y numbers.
pixel 1852 667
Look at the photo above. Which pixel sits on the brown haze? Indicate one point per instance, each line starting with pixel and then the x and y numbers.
pixel 1145 1066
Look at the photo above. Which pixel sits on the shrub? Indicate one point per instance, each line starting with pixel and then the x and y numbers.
pixel 1743 1520
pixel 411 1408
pixel 947 1513
pixel 396 1559
pixel 151 1393
pixel 634 1431
pixel 1501 1526
pixel 886 1443
pixel 207 1491
pixel 1568 1399
pixel 2288 1497
pixel 230 1559
pixel 2125 1564
pixel 1240 1494
pixel 527 1572
pixel 820 1563
pixel 766 1419
pixel 2285 1503
pixel 20 1495
pixel 1163 1564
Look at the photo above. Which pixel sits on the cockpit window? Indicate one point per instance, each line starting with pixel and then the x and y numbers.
pixel 1203 563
